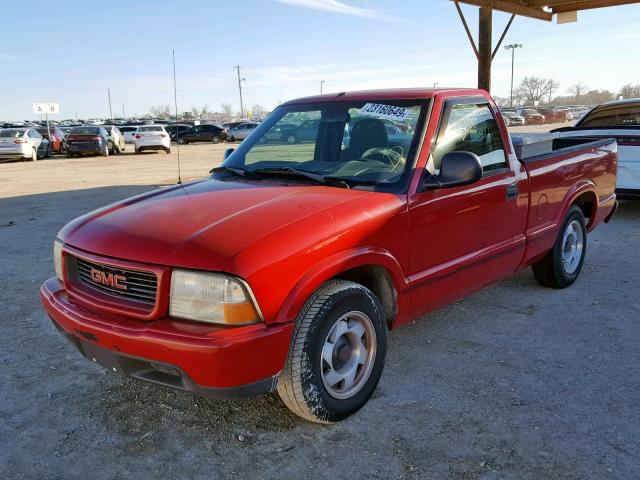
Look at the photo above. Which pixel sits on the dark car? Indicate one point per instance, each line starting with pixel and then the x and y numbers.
pixel 203 133
pixel 45 148
pixel 552 116
pixel 56 140
pixel 88 140
pixel 176 129
pixel 304 132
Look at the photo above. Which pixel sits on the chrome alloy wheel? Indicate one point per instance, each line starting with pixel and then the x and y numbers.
pixel 348 355
pixel 572 246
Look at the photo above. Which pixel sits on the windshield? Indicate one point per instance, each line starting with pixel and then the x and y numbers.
pixel 358 142
pixel 616 115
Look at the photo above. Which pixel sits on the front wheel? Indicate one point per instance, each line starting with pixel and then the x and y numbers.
pixel 562 265
pixel 337 353
pixel 182 141
pixel 215 139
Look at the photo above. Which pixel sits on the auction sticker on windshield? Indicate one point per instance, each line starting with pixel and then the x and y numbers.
pixel 388 112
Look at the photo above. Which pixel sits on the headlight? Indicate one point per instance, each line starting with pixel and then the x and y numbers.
pixel 211 297
pixel 57 258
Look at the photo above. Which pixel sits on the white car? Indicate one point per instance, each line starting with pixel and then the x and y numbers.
pixel 152 137
pixel 128 132
pixel 19 143
pixel 620 120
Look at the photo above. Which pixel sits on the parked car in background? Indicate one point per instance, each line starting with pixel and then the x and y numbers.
pixel 88 140
pixel 128 132
pixel 552 115
pixel 229 125
pixel 242 131
pixel 152 137
pixel 513 119
pixel 531 116
pixel 203 133
pixel 620 120
pixel 177 129
pixel 20 143
pixel 116 139
pixel 303 132
pixel 56 141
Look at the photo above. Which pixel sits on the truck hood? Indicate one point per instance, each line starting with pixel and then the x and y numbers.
pixel 200 225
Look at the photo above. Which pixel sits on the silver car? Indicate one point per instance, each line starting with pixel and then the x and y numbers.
pixel 19 143
pixel 241 131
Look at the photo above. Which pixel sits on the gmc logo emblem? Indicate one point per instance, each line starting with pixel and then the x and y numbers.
pixel 109 279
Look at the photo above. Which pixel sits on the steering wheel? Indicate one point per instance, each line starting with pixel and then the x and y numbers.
pixel 384 155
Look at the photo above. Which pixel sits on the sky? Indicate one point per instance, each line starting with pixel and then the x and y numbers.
pixel 72 52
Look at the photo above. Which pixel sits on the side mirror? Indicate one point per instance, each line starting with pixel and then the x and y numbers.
pixel 456 169
pixel 228 152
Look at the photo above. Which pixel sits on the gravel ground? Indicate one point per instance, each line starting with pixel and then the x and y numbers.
pixel 514 382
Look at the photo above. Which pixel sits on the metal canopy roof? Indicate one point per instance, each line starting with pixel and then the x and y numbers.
pixel 544 9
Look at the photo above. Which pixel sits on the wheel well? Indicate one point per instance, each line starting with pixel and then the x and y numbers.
pixel 587 203
pixel 378 280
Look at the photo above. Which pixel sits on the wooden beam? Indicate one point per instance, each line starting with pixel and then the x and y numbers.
pixel 506 29
pixel 466 29
pixel 575 6
pixel 513 8
pixel 485 29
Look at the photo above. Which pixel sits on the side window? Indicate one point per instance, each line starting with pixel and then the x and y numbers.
pixel 470 127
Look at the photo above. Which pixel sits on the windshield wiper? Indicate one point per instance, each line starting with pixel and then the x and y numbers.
pixel 222 168
pixel 326 180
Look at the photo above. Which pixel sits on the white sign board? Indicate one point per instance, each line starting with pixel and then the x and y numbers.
pixel 46 108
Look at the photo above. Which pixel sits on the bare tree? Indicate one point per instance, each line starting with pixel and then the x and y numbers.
pixel 227 111
pixel 577 91
pixel 553 86
pixel 160 111
pixel 630 91
pixel 258 111
pixel 534 89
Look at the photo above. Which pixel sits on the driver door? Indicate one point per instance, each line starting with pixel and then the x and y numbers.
pixel 465 237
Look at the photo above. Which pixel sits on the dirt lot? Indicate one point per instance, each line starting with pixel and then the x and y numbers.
pixel 514 382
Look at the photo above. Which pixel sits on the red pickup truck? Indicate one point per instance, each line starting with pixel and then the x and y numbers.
pixel 286 267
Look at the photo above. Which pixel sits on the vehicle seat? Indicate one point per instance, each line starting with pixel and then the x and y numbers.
pixel 365 134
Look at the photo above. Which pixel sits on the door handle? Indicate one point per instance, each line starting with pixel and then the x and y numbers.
pixel 512 191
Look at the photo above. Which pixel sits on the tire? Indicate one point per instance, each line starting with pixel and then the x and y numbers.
pixel 34 155
pixel 330 320
pixel 136 151
pixel 182 141
pixel 232 139
pixel 291 139
pixel 168 150
pixel 105 153
pixel 215 139
pixel 562 265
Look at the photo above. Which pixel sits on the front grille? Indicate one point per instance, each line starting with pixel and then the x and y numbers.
pixel 133 285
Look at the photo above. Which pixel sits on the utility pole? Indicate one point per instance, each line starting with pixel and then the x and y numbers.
pixel 321 85
pixel 124 117
pixel 435 84
pixel 175 101
pixel 240 80
pixel 110 111
pixel 512 47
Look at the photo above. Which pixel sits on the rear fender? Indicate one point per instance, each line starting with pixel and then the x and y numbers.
pixel 336 264
pixel 582 187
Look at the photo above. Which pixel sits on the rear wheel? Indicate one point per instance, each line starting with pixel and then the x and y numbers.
pixel 105 152
pixel 562 265
pixel 291 139
pixel 34 154
pixel 168 150
pixel 182 141
pixel 232 139
pixel 337 353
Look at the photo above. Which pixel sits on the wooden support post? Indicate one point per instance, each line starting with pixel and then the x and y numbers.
pixel 485 47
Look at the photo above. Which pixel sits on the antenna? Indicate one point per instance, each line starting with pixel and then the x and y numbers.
pixel 175 99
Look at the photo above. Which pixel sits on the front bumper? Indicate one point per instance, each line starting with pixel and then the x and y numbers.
pixel 215 361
